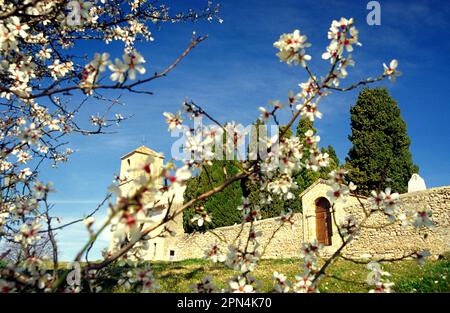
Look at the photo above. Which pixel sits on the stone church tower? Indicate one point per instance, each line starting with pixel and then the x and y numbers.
pixel 162 245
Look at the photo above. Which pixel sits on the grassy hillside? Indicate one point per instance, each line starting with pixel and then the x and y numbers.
pixel 408 276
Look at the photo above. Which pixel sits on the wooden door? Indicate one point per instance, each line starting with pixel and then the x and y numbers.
pixel 323 222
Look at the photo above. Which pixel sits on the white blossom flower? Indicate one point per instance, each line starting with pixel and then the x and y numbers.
pixel 7 286
pixel 28 233
pixel 17 28
pixel 281 283
pixel 391 203
pixel 174 121
pixel 31 134
pixel 205 286
pixel 201 216
pixel 386 201
pixel 214 254
pixel 421 256
pixel 304 284
pixel 42 148
pixel 287 217
pixel 133 61
pixel 42 279
pixel 317 160
pixel 245 204
pixel 407 218
pixel 25 173
pixel 276 104
pixel 265 114
pixel 283 186
pixel 41 190
pixel 391 70
pixel 308 89
pixel 198 145
pixel 343 35
pixel 310 139
pixel 101 61
pixel 7 39
pixel 310 111
pixel 97 121
pixel 291 48
pixel 240 260
pixel 183 174
pixel 348 226
pixel 54 124
pixel 5 165
pixel 115 190
pixel 44 54
pixel 239 285
pixel 376 278
pixel 334 50
pixel 146 280
pixel 298 57
pixel 310 250
pixel 292 41
pixel 422 218
pixel 251 214
pixel 59 69
pixel 128 224
pixel 119 118
pixel 343 64
pixel 3 217
pixel 83 10
pixel 382 287
pixel 119 70
pixel 292 98
pixel 291 154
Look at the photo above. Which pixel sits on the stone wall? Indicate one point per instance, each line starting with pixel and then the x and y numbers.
pixel 389 242
pixel 394 241
pixel 285 243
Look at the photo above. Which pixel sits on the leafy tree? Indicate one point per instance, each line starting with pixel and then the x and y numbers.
pixel 221 206
pixel 334 160
pixel 277 205
pixel 306 177
pixel 380 155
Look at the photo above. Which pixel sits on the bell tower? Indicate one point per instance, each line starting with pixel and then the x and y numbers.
pixel 143 165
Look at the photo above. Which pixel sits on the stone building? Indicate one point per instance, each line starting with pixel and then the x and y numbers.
pixel 162 246
pixel 315 222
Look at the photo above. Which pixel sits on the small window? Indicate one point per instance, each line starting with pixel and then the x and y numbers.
pixel 154 249
pixel 172 252
pixel 129 162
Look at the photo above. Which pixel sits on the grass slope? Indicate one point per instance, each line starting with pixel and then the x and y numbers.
pixel 407 275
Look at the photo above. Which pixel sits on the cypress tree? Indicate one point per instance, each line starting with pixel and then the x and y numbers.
pixel 306 177
pixel 221 206
pixel 380 155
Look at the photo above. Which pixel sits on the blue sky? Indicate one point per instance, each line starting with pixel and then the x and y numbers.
pixel 235 71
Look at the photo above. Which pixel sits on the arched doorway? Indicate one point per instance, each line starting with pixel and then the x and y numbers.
pixel 323 222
